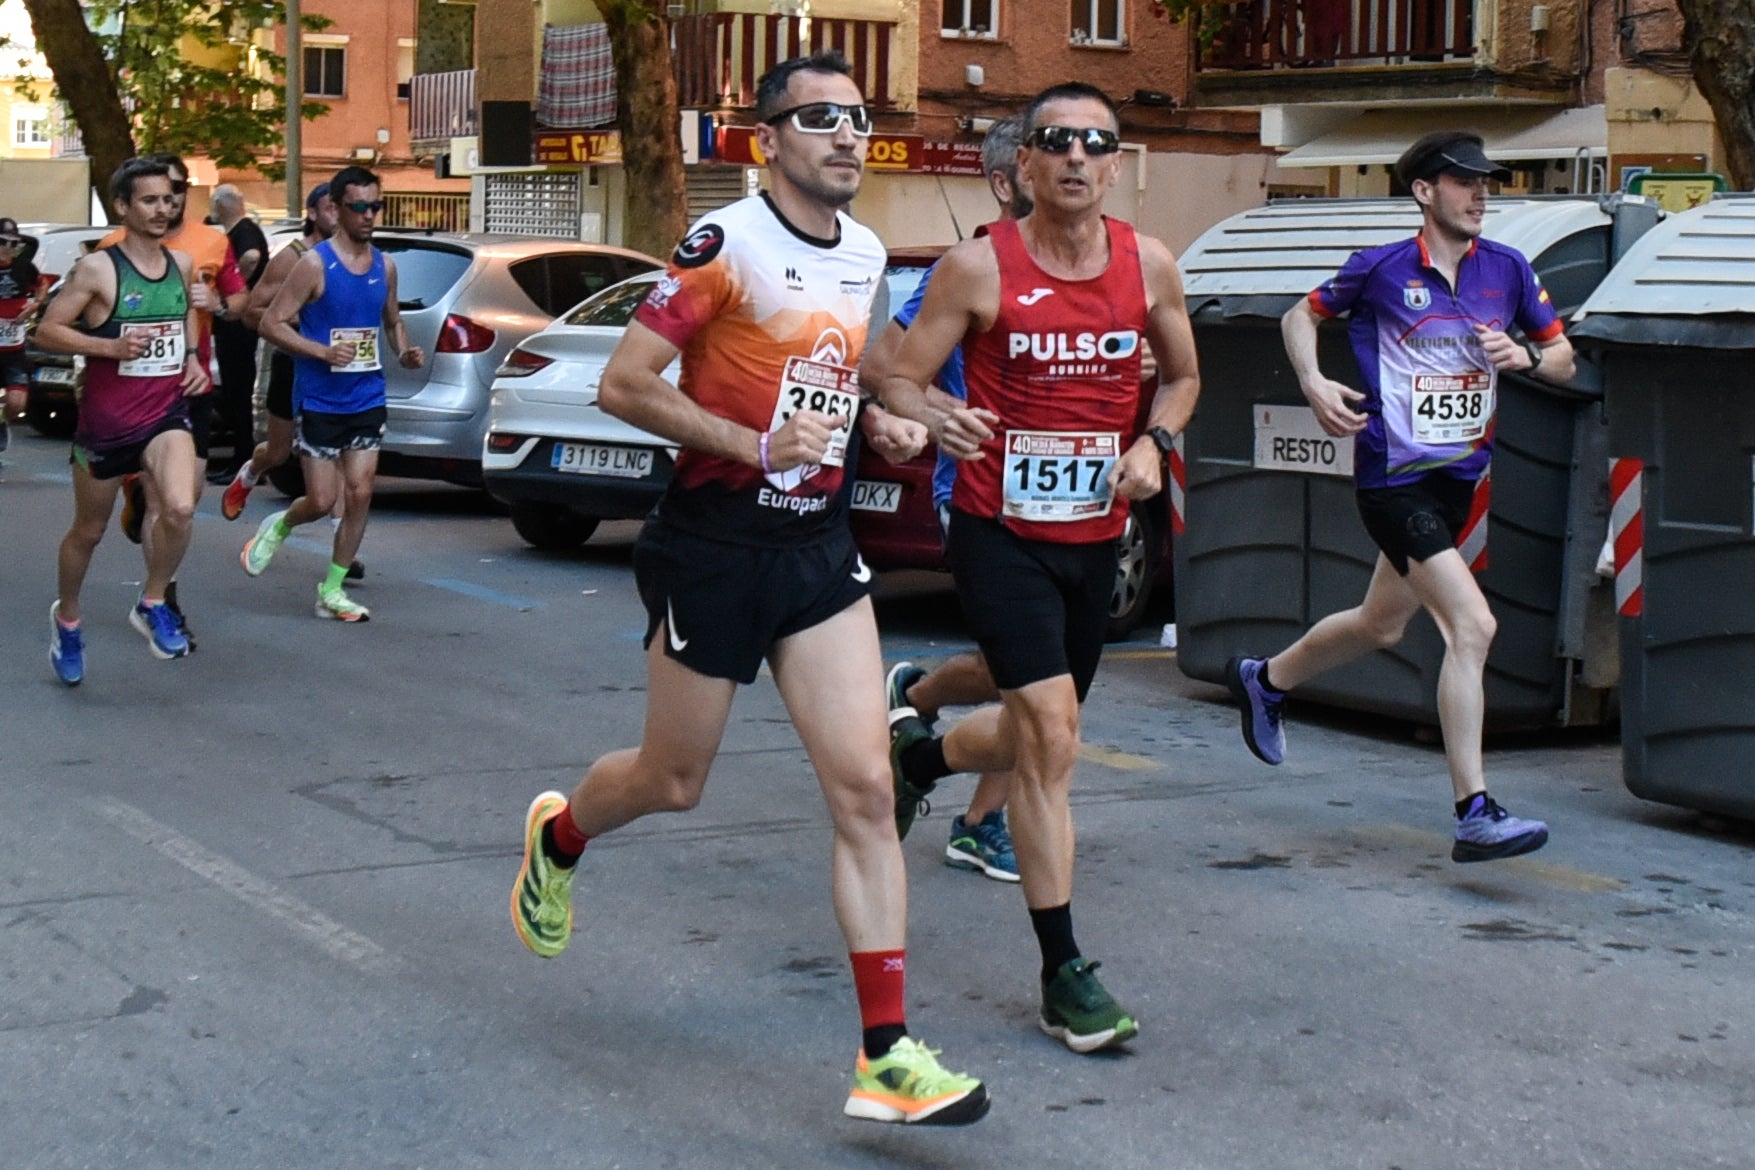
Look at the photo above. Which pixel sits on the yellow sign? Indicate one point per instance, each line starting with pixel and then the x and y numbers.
pixel 578 147
pixel 1677 192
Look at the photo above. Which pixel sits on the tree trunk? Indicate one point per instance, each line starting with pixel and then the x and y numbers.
pixel 647 115
pixel 1720 40
pixel 86 84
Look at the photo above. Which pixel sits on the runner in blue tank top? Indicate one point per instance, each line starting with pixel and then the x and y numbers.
pixel 1430 321
pixel 328 315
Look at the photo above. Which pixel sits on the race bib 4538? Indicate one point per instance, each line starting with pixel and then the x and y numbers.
pixel 1452 408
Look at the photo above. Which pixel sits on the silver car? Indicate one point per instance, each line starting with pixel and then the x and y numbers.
pixel 467 300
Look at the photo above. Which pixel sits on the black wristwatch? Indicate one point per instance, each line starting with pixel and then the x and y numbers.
pixel 1162 439
pixel 1535 352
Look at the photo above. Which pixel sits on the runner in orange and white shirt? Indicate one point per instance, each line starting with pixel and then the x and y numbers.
pixel 749 556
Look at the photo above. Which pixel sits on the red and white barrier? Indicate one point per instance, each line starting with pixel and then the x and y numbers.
pixel 1627 534
pixel 1471 542
pixel 1178 488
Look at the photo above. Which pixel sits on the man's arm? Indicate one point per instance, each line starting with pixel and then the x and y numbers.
pixel 92 280
pixel 280 266
pixel 1331 401
pixel 964 285
pixel 195 379
pixel 395 331
pixel 635 391
pixel 1139 473
pixel 303 285
pixel 880 363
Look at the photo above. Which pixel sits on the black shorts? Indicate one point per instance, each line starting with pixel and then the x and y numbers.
pixel 326 436
pixel 14 371
pixel 1416 521
pixel 110 462
pixel 724 606
pixel 1037 609
pixel 279 402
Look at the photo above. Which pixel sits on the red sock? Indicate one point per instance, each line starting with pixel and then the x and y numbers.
pixel 568 839
pixel 880 981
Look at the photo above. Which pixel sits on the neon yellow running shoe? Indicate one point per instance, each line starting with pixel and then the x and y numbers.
pixel 263 545
pixel 542 898
pixel 907 1084
pixel 334 603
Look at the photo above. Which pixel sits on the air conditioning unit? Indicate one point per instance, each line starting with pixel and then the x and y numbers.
pixel 362 154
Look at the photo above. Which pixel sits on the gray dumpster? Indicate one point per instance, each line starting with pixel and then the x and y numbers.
pixel 1274 541
pixel 1674 330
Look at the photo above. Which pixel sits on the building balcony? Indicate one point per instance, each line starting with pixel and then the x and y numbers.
pixel 441 106
pixel 719 55
pixel 1272 51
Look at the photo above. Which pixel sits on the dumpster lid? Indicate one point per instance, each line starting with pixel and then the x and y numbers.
pixel 1689 281
pixel 1257 262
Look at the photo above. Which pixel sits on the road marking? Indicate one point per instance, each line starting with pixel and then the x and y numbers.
pixel 1120 761
pixel 240 883
pixel 1126 655
pixel 1563 876
pixel 482 593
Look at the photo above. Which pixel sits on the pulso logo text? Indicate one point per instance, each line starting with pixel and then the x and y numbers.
pixel 1074 347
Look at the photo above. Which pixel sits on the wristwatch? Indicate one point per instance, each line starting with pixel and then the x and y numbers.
pixel 1162 439
pixel 1535 352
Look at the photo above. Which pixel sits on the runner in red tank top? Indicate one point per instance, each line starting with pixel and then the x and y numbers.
pixel 1051 313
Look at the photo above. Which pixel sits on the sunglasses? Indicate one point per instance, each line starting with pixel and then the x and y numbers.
pixel 1060 139
pixel 179 186
pixel 826 118
pixel 361 207
pixel 10 242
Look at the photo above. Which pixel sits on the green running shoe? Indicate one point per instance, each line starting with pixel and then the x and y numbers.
pixel 542 900
pixel 906 731
pixel 908 1085
pixel 1080 1013
pixel 264 544
pixel 335 603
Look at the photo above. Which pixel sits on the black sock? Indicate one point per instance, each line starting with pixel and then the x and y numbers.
pixel 1054 934
pixel 882 1038
pixel 1261 677
pixel 1462 806
pixel 923 764
pixel 553 851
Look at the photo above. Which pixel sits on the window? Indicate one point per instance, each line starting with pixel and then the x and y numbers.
pixel 1098 22
pixel 970 18
pixel 614 307
pixel 405 47
pixel 325 71
pixel 30 127
pixel 425 273
pixel 559 281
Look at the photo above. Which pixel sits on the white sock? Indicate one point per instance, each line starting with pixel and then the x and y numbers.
pixel 247 473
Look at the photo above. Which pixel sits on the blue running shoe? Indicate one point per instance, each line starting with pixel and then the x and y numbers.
pixel 902 676
pixel 1263 709
pixel 985 847
pixel 1488 833
pixel 161 629
pixel 66 649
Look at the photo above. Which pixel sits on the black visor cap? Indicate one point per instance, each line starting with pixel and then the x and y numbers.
pixel 1465 160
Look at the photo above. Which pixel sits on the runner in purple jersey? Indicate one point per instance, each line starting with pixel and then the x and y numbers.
pixel 1429 325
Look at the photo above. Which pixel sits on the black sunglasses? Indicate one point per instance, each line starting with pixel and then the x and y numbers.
pixel 11 242
pixel 360 206
pixel 1059 139
pixel 826 118
pixel 179 186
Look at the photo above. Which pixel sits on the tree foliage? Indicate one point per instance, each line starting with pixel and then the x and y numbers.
pixel 1720 41
pixel 177 75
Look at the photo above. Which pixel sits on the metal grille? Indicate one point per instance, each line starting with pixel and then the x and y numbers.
pixel 442 213
pixel 712 187
pixel 545 204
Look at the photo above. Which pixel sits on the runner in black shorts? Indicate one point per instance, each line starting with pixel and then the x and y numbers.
pixel 748 556
pixel 324 435
pixel 1422 431
pixel 115 462
pixel 277 448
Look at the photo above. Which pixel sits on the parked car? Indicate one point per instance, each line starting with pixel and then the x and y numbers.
pixel 563 466
pixel 52 406
pixel 467 300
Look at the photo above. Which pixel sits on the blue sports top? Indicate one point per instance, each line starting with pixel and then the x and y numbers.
pixel 950 380
pixel 350 309
pixel 1429 388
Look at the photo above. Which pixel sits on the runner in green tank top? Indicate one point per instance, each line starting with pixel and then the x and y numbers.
pixel 126 309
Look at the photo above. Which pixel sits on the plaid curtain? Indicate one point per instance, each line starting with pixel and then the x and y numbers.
pixel 578 77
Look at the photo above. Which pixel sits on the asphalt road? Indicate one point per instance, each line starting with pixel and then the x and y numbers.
pixel 253 906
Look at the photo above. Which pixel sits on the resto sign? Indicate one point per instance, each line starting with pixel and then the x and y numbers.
pixel 1288 438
